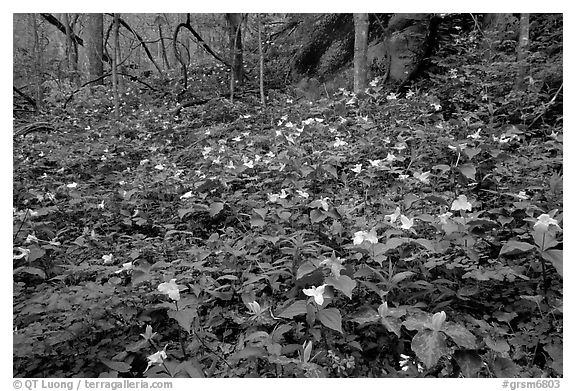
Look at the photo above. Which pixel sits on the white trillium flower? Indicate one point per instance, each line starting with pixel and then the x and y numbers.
pixel 316 293
pixel 171 289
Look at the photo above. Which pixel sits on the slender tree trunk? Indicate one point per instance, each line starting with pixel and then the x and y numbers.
pixel 37 66
pixel 95 46
pixel 360 52
pixel 163 47
pixel 522 51
pixel 261 54
pixel 71 51
pixel 235 41
pixel 115 57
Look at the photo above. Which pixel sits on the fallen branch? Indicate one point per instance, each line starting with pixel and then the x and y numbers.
pixel 33 127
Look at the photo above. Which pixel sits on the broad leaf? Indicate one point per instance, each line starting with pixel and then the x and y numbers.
pixel 215 208
pixel 295 309
pixel 343 283
pixel 468 170
pixel 316 216
pixel 460 335
pixel 118 366
pixel 365 315
pixel 392 324
pixel 184 317
pixel 515 247
pixel 555 258
pixel 304 269
pixel 331 318
pixel 429 346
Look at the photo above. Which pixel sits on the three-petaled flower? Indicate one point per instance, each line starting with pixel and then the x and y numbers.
pixel 361 236
pixel 461 203
pixel 544 221
pixel 316 293
pixel 171 289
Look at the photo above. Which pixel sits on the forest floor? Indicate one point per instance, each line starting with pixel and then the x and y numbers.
pixel 307 239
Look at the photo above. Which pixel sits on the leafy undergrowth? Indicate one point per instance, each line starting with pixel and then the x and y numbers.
pixel 342 238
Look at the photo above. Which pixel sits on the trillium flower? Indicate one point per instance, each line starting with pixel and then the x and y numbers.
pixel 108 258
pixel 143 162
pixel 375 163
pixel 125 267
pixel 237 138
pixel 390 157
pixel 339 143
pixel 394 215
pixel 474 136
pixel 423 177
pixel 391 96
pixel 24 252
pixel 438 320
pixel 171 289
pixel 254 308
pixel 522 195
pixel 72 185
pixel 406 222
pixel 157 358
pixel 217 160
pixel 307 349
pixel 249 164
pixel 461 203
pixel 159 167
pixel 357 168
pixel 444 217
pixel 316 293
pixel 383 310
pixel 403 177
pixel 230 165
pixel 544 221
pixel 278 132
pixel 361 236
pixel 31 239
pixel 302 193
pixel 324 203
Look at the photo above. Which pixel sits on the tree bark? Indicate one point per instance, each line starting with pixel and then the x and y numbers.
pixel 95 46
pixel 37 66
pixel 115 57
pixel 235 41
pixel 522 51
pixel 261 55
pixel 71 50
pixel 360 52
pixel 163 47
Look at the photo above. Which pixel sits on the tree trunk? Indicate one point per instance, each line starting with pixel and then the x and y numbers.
pixel 235 41
pixel 163 47
pixel 37 66
pixel 360 52
pixel 95 46
pixel 115 56
pixel 261 55
pixel 71 51
pixel 522 51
